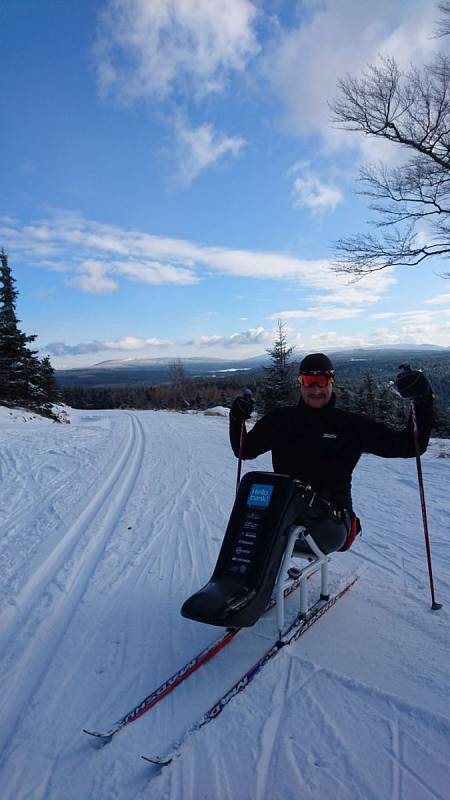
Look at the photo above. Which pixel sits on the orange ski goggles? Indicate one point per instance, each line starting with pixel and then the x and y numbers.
pixel 322 379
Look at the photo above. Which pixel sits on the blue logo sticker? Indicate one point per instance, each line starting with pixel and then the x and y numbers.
pixel 260 494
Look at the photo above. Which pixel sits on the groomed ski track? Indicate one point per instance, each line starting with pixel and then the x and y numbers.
pixel 107 525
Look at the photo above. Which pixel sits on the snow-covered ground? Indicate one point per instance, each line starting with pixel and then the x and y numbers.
pixel 107 525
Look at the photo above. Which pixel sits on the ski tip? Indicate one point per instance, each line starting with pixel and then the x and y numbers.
pixel 100 738
pixel 160 761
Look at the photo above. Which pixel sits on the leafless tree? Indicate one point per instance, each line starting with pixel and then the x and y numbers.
pixel 443 23
pixel 179 381
pixel 412 201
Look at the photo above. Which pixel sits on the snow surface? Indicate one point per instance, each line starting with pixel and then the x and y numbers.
pixel 107 525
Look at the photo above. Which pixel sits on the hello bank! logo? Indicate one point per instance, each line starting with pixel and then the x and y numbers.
pixel 260 494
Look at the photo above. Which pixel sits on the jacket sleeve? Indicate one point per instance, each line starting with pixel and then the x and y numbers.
pixel 256 441
pixel 381 440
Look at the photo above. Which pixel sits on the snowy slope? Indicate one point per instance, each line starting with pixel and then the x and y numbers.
pixel 107 525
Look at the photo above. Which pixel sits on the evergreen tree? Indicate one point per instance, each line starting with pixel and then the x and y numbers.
pixel 345 399
pixel 16 359
pixel 369 394
pixel 46 386
pixel 278 387
pixel 180 384
pixel 387 406
pixel 24 379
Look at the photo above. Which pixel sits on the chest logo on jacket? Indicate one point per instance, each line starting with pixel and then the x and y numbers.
pixel 329 436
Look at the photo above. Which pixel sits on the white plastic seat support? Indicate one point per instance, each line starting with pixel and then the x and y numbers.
pixel 294 533
pixel 317 557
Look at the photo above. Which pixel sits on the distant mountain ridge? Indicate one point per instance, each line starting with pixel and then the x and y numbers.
pixel 259 359
pixel 161 361
pixel 135 371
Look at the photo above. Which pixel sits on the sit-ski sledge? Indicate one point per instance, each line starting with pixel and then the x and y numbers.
pixel 267 527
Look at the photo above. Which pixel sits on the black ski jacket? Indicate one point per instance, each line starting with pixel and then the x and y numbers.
pixel 321 447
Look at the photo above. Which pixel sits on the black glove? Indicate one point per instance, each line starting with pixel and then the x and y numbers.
pixel 242 407
pixel 412 383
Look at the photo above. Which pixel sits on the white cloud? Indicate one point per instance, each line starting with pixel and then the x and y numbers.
pixel 173 52
pixel 203 316
pixel 414 326
pixel 202 147
pixel 53 266
pixel 330 340
pixel 430 333
pixel 207 341
pixel 61 349
pixel 341 36
pixel 440 298
pixel 44 294
pixel 154 272
pixel 99 254
pixel 250 337
pixel 135 343
pixel 325 312
pixel 93 278
pixel 154 48
pixel 311 191
pixel 408 317
pixel 127 343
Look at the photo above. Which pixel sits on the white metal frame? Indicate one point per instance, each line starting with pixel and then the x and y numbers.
pixel 316 558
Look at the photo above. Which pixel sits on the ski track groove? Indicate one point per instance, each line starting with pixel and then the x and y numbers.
pixel 43 514
pixel 402 767
pixel 336 743
pixel 180 486
pixel 271 740
pixel 395 760
pixel 27 596
pixel 178 506
pixel 399 767
pixel 36 659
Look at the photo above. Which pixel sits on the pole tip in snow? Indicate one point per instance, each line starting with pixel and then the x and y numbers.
pixel 436 606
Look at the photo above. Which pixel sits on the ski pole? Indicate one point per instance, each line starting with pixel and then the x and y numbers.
pixel 241 449
pixel 248 396
pixel 434 605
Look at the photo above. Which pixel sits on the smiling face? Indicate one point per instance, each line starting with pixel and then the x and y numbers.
pixel 316 396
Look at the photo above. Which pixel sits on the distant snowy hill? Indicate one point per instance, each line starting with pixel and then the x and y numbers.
pixel 158 370
pixel 107 525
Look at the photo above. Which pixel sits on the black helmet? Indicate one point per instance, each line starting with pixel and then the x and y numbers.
pixel 315 363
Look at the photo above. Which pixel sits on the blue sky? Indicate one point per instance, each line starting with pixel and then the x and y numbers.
pixel 172 183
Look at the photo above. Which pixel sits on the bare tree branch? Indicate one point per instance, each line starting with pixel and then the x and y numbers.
pixel 411 202
pixel 443 24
